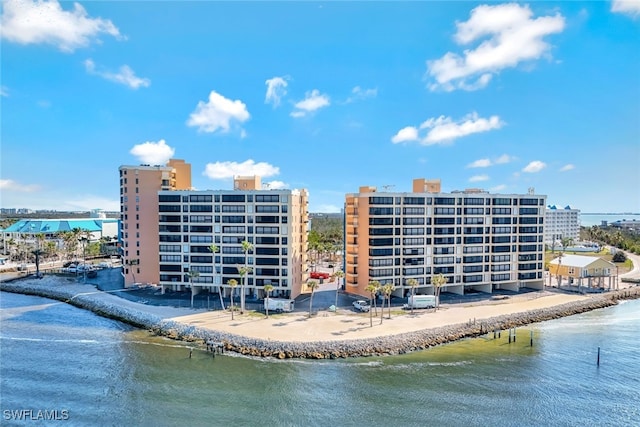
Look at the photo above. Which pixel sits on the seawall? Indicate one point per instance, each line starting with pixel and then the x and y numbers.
pixel 384 345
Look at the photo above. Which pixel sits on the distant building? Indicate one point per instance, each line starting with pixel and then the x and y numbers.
pixel 27 229
pixel 560 223
pixel 478 241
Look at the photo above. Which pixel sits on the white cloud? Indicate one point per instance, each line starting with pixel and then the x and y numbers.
pixel 43 103
pixel 629 7
pixel 534 166
pixel 275 185
pixel 34 22
pixel 511 36
pixel 218 113
pixel 153 153
pixel 125 76
pixel 444 129
pixel 498 188
pixel 505 158
pixel 357 93
pixel 11 185
pixel 405 134
pixel 276 89
pixel 567 167
pixel 312 101
pixel 4 91
pixel 224 170
pixel 485 163
pixel 480 163
pixel 478 178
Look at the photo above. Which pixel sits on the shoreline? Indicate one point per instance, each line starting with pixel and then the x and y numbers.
pixel 178 323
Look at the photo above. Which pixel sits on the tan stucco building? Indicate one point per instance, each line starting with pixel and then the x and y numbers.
pixel 478 241
pixel 169 230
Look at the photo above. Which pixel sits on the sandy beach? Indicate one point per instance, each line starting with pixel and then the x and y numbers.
pixel 345 324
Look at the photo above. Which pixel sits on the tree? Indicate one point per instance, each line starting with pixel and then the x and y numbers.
pixel 84 237
pixel 37 253
pixel 566 242
pixel 619 256
pixel 338 275
pixel 413 283
pixel 267 290
pixel 192 274
pixel 387 290
pixel 313 285
pixel 372 288
pixel 438 281
pixel 214 249
pixel 246 248
pixel 232 284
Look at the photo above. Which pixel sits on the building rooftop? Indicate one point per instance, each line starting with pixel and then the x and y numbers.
pixel 575 260
pixel 57 225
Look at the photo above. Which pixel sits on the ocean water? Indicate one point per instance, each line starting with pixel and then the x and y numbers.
pixel 587 220
pixel 89 371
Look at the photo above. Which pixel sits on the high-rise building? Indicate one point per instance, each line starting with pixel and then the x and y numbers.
pixel 181 238
pixel 478 241
pixel 139 187
pixel 561 223
pixel 201 235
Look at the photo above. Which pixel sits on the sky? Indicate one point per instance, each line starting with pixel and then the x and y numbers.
pixel 327 96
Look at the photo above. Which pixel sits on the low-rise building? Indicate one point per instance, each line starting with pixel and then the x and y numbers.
pixel 585 272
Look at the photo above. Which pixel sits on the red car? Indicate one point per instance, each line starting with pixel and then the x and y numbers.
pixel 319 275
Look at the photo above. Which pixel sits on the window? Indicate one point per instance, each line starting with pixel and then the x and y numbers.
pixel 233 198
pixel 270 198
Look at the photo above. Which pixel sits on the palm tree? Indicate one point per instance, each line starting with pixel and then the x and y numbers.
pixel 413 283
pixel 565 243
pixel 192 274
pixel 372 288
pixel 37 254
pixel 267 290
pixel 213 248
pixel 438 281
pixel 387 290
pixel 313 285
pixel 232 284
pixel 246 248
pixel 243 272
pixel 338 275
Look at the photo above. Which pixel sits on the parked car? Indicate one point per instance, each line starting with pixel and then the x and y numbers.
pixel 92 274
pixel 361 305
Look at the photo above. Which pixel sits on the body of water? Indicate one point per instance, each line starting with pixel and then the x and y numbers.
pixel 587 220
pixel 88 370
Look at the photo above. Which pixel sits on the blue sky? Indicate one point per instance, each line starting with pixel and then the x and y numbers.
pixel 328 96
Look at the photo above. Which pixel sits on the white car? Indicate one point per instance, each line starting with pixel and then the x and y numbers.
pixel 361 305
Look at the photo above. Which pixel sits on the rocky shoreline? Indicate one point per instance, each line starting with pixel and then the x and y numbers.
pixel 385 345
